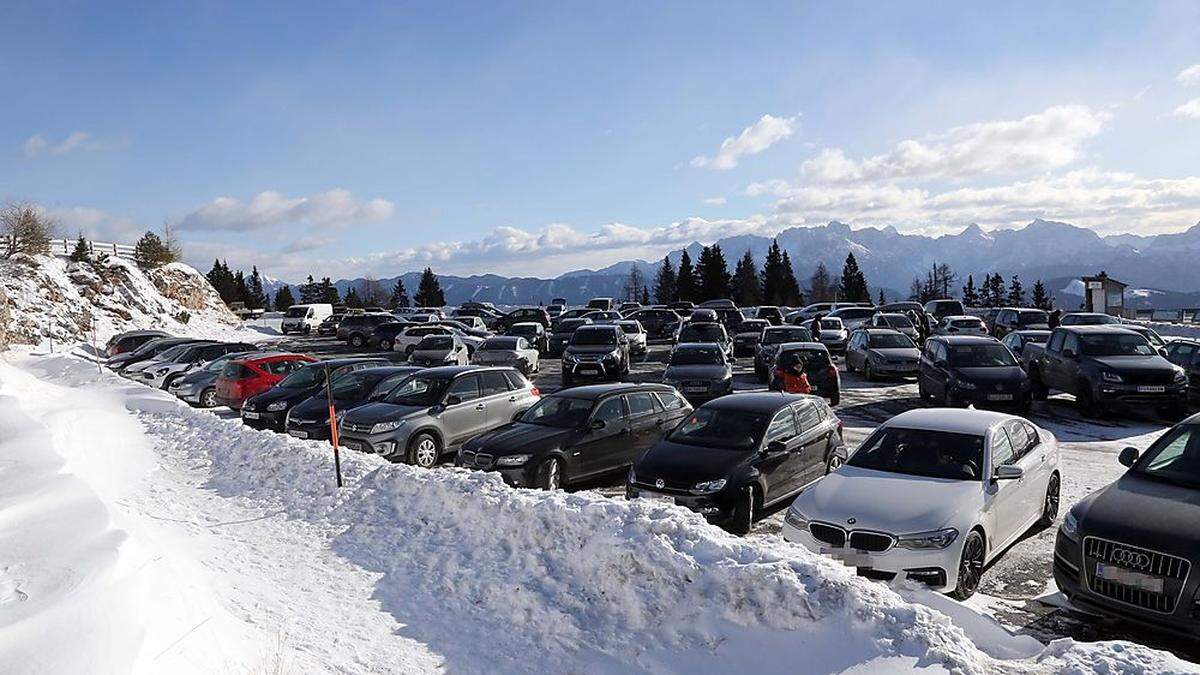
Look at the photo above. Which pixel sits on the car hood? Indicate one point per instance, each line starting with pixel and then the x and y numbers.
pixel 275 394
pixel 590 350
pixel 888 502
pixel 518 437
pixel 315 409
pixel 900 353
pixel 436 354
pixel 686 465
pixel 990 374
pixel 696 372
pixel 378 411
pixel 139 366
pixel 494 355
pixel 1145 512
pixel 1135 364
pixel 1034 326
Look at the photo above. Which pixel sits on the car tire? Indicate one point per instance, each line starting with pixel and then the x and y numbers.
pixel 549 475
pixel 921 393
pixel 1174 413
pixel 1050 502
pixel 836 398
pixel 409 350
pixel 170 380
pixel 385 345
pixel 743 512
pixel 208 398
pixel 970 566
pixel 357 341
pixel 1038 389
pixel 424 450
pixel 868 374
pixel 1085 401
pixel 566 381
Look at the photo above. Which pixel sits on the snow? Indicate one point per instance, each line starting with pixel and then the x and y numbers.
pixel 177 541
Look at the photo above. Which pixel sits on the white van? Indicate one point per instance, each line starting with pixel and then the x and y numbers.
pixel 305 318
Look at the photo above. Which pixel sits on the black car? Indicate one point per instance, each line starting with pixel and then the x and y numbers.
pixel 148 350
pixel 310 418
pixel 522 315
pixel 562 332
pixel 534 333
pixel 737 455
pixel 269 409
pixel 745 339
pixel 711 332
pixel 1130 549
pixel 383 337
pixel 768 345
pixel 659 323
pixel 329 325
pixel 356 329
pixel 1010 319
pixel 1186 355
pixel 960 370
pixel 131 340
pixel 596 351
pixel 1106 366
pixel 701 370
pixel 577 434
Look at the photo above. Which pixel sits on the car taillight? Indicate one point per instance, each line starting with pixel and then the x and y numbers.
pixel 832 371
pixel 536 392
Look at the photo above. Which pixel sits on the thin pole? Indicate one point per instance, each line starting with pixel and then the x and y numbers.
pixel 333 431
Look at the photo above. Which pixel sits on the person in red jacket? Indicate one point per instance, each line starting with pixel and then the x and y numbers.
pixel 790 375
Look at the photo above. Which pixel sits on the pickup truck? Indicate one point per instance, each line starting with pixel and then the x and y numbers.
pixel 1107 366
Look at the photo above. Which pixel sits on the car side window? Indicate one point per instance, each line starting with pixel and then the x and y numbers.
pixel 1018 437
pixel 1056 341
pixel 1002 449
pixel 514 380
pixel 670 401
pixel 493 382
pixel 781 428
pixel 610 411
pixel 807 417
pixel 1071 343
pixel 466 388
pixel 1032 434
pixel 641 403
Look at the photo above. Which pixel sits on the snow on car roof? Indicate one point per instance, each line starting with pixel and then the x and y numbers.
pixel 952 420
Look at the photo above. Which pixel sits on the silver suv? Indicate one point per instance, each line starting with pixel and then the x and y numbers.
pixel 435 411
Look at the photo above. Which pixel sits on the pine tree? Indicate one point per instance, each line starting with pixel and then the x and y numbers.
pixel 771 285
pixel 882 298
pixel 820 285
pixel 284 298
pixel 1040 298
pixel 712 273
pixel 645 296
pixel 399 295
pixel 664 283
pixel 82 252
pixel 686 287
pixel 328 293
pixel 633 284
pixel 429 291
pixel 151 252
pixel 853 285
pixel 792 295
pixel 1016 292
pixel 240 291
pixel 996 290
pixel 353 299
pixel 310 292
pixel 970 296
pixel 256 297
pixel 746 291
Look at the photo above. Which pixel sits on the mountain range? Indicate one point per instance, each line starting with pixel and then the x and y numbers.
pixel 1163 265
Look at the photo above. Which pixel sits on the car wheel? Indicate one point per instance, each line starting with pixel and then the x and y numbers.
pixel 1086 401
pixel 1050 503
pixel 170 380
pixel 947 399
pixel 549 475
pixel 566 381
pixel 208 398
pixel 385 345
pixel 743 512
pixel 409 350
pixel 1039 391
pixel 424 451
pixel 970 566
pixel 868 375
pixel 1173 413
pixel 921 393
pixel 835 398
pixel 357 341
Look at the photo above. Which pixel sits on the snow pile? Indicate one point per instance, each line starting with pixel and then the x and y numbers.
pixel 495 579
pixel 50 298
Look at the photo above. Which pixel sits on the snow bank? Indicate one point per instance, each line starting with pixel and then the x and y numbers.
pixel 495 579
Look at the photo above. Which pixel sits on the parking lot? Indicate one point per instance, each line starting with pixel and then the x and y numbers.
pixel 1018 589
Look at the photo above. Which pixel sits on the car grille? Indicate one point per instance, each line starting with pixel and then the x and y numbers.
pixel 481 460
pixel 829 534
pixel 1172 569
pixel 700 384
pixel 859 540
pixel 356 428
pixel 874 542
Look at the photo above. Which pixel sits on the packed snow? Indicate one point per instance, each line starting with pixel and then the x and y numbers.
pixel 176 541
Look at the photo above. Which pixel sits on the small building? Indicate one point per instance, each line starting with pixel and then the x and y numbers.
pixel 1103 294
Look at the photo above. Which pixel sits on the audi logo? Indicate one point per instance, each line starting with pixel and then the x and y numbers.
pixel 1123 556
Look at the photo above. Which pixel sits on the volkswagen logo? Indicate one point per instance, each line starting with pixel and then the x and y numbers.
pixel 1134 559
pixel 660 483
pixel 851 521
pixel 1000 387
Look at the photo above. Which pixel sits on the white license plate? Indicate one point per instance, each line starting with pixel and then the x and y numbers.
pixel 1151 389
pixel 589 369
pixel 353 445
pixel 695 390
pixel 298 434
pixel 1000 397
pixel 1128 577
pixel 656 497
pixel 250 415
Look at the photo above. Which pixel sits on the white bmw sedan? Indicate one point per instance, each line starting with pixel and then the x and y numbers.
pixel 933 495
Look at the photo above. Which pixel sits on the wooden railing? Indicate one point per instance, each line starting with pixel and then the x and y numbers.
pixel 64 247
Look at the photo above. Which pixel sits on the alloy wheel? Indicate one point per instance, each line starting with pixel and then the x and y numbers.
pixel 1050 505
pixel 426 453
pixel 208 398
pixel 970 566
pixel 553 476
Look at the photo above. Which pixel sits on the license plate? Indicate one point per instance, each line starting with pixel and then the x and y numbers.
pixel 353 445
pixel 589 369
pixel 656 497
pixel 1151 389
pixel 695 390
pixel 1128 577
pixel 1000 397
pixel 250 415
pixel 298 434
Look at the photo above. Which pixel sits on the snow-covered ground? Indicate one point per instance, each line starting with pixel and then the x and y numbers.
pixel 165 539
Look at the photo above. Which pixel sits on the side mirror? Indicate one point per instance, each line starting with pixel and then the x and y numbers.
pixel 1162 351
pixel 776 447
pixel 1009 472
pixel 597 425
pixel 452 400
pixel 1129 456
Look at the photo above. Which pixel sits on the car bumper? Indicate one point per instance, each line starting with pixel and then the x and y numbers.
pixel 386 445
pixel 260 419
pixel 981 398
pixel 187 392
pixel 716 508
pixel 936 569
pixel 696 393
pixel 591 369
pixel 524 475
pixel 1130 394
pixel 313 431
pixel 894 369
pixel 149 379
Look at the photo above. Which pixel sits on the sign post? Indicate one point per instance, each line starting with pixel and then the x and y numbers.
pixel 333 430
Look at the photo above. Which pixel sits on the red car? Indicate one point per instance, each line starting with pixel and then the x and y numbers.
pixel 246 377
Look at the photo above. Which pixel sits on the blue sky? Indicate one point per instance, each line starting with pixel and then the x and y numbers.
pixel 532 139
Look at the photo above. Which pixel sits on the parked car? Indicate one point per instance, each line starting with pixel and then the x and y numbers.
pixel 128 341
pixel 1105 366
pixel 897 322
pixel 960 325
pixel 488 315
pixel 512 351
pixel 701 370
pixel 309 419
pixel 534 333
pixel 1026 345
pixel 147 351
pixel 1009 319
pixel 901 307
pixel 178 361
pixel 768 345
pixel 439 350
pixel 1087 319
pixel 1149 333
pixel 144 371
pixel 561 336
pixel 602 304
pixel 853 317
pixel 882 352
pixel 659 323
pixel 682 307
pixel 1128 550
pixel 933 496
pixel 522 315
pixel 719 303
pixel 435 411
pixel 971 370
pixel 305 318
pixel 576 313
pixel 627 307
pixel 254 374
pixel 738 455
pixel 636 336
pixel 940 309
pixel 595 351
pixel 809 312
pixel 772 314
pixel 580 433
pixel 383 338
pixel 745 340
pixel 329 325
pixel 407 338
pixel 823 377
pixel 356 329
pixel 703 315
pixel 471 325
pixel 1185 353
pixel 269 409
pixel 704 331
pixel 199 387
pixel 555 309
pixel 833 335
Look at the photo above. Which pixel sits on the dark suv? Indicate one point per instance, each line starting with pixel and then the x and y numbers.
pixel 659 323
pixel 1186 355
pixel 1013 318
pixel 522 315
pixel 1103 366
pixel 596 351
pixel 356 329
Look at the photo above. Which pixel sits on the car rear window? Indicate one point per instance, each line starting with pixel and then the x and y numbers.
pixel 966 323
pixel 236 371
pixel 499 344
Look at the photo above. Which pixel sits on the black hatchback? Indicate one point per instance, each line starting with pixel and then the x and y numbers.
pixel 576 434
pixel 738 455
pixel 269 409
pixel 310 418
pixel 962 370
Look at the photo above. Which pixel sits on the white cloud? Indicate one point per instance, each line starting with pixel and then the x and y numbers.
pixel 37 145
pixel 1189 75
pixel 1050 139
pixel 714 201
pixel 764 133
pixel 95 224
pixel 322 211
pixel 1189 109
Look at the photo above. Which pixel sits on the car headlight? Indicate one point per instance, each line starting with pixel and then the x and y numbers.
pixel 162 371
pixel 513 460
pixel 963 384
pixel 383 427
pixel 277 406
pixel 709 487
pixel 1111 377
pixel 340 416
pixel 1070 525
pixel 570 358
pixel 1180 376
pixel 796 519
pixel 937 539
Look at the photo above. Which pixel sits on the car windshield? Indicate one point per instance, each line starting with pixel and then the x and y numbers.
pixel 498 344
pixel 831 324
pixel 569 325
pixel 987 355
pixel 891 341
pixel 436 342
pixel 779 336
pixel 697 356
pixel 296 313
pixel 174 352
pixel 1115 344
pixel 966 323
pixel 524 330
pixel 352 386
pixel 721 428
pixel 753 325
pixel 1038 338
pixel 1174 457
pixel 563 412
pixel 921 452
pixel 897 321
pixel 419 390
pixel 218 363
pixel 303 378
pixel 810 359
pixel 154 347
pixel 701 333
pixel 588 338
pixel 1030 317
pixel 630 327
pixel 1087 319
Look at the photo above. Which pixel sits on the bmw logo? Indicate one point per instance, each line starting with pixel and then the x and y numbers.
pixel 851 521
pixel 660 483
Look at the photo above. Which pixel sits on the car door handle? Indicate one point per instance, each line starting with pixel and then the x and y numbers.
pixel 660 422
pixel 512 399
pixel 481 406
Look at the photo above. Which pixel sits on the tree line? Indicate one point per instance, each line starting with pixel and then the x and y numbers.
pixel 940 282
pixel 236 287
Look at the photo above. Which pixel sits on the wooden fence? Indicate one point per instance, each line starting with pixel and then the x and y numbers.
pixel 64 247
